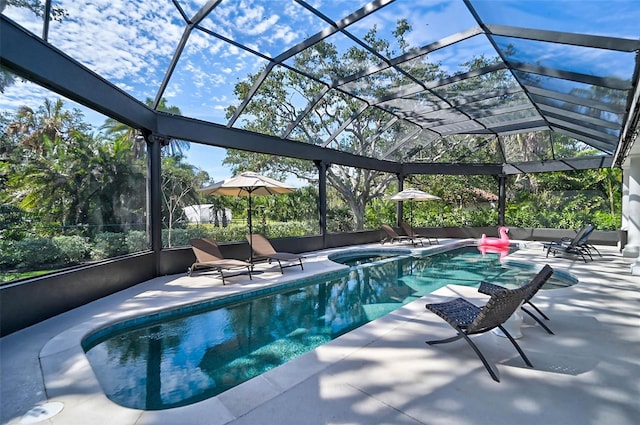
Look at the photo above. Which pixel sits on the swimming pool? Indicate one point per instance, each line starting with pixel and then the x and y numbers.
pixel 179 357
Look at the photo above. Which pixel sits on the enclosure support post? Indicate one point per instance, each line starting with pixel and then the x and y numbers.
pixel 502 194
pixel 154 195
pixel 322 200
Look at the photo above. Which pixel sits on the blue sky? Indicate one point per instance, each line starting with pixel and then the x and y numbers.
pixel 131 43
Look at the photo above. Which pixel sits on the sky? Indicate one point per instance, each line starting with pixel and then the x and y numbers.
pixel 131 43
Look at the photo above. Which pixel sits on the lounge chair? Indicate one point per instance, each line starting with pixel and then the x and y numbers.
pixel 264 250
pixel 468 319
pixel 392 236
pixel 583 242
pixel 411 233
pixel 577 245
pixel 208 255
pixel 489 288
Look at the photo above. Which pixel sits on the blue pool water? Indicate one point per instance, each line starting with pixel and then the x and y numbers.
pixel 358 257
pixel 186 355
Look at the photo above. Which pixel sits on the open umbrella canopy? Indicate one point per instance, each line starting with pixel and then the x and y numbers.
pixel 248 184
pixel 413 195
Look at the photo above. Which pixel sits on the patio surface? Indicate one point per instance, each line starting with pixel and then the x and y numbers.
pixel 381 373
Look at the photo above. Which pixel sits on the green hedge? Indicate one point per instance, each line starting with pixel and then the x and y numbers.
pixel 38 253
pixel 71 249
pixel 235 232
pixel 33 253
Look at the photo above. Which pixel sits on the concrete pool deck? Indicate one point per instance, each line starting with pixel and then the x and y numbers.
pixel 381 373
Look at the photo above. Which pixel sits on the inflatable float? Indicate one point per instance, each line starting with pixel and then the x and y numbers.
pixel 495 245
pixel 502 241
pixel 503 251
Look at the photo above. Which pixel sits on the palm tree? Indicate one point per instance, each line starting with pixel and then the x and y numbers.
pixel 7 78
pixel 50 121
pixel 117 130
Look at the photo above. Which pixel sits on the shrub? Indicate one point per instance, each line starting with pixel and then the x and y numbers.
pixel 136 241
pixel 32 253
pixel 8 257
pixel 72 249
pixel 108 244
pixel 237 232
pixel 14 222
pixel 483 217
pixel 339 220
pixel 231 233
pixel 289 228
pixel 181 237
pixel 454 217
pixel 606 221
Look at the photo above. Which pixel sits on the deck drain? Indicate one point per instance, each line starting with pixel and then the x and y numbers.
pixel 42 412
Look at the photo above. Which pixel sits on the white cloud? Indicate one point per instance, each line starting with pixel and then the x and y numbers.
pixel 173 91
pixel 25 93
pixel 215 47
pixel 118 39
pixel 257 28
pixel 231 51
pixel 285 33
pixel 198 75
pixel 199 42
pixel 24 18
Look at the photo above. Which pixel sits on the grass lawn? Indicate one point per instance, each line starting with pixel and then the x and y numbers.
pixel 6 277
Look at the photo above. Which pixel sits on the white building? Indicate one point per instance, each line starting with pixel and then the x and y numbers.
pixel 204 213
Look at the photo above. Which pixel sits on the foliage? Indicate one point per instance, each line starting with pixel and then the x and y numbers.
pixel 290 228
pixel 56 176
pixel 566 200
pixel 36 252
pixel 13 276
pixel 37 7
pixel 136 241
pixel 108 244
pixel 31 253
pixel 180 183
pixel 64 176
pixel 181 237
pixel 380 212
pixel 339 219
pixel 13 222
pixel 604 221
pixel 72 249
pixel 238 231
pixel 274 107
pixel 68 195
pixel 117 131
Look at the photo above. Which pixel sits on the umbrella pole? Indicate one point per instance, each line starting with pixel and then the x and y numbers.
pixel 411 213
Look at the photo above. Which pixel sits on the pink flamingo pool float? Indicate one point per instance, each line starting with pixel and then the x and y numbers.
pixel 495 245
pixel 502 241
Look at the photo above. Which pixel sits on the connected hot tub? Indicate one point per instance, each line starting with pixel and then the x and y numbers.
pixel 364 256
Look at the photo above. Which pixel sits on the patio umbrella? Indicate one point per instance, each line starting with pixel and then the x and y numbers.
pixel 248 184
pixel 413 195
